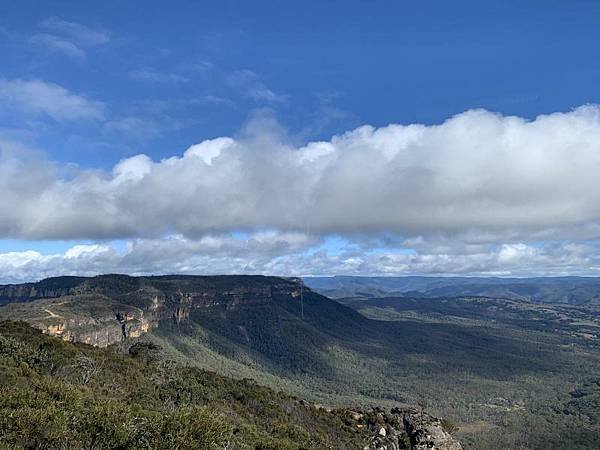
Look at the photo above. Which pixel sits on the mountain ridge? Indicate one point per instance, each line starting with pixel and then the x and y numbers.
pixel 568 290
pixel 117 306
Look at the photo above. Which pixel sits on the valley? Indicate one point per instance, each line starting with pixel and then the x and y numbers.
pixel 506 373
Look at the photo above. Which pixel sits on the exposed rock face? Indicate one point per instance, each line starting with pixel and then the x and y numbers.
pixel 107 309
pixel 89 319
pixel 401 428
pixel 427 432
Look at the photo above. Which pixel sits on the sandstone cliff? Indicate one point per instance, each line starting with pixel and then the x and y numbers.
pixel 107 309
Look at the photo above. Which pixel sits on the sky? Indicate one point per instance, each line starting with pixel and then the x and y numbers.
pixel 299 138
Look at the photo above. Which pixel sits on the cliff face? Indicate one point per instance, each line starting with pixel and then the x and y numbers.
pixel 107 309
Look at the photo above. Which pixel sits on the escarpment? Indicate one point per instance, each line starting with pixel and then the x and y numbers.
pixel 107 309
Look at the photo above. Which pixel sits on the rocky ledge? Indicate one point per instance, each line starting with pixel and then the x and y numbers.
pixel 401 428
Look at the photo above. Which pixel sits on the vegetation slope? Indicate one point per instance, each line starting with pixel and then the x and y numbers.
pixel 60 395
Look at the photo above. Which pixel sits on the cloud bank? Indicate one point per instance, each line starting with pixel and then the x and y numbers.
pixel 478 177
pixel 480 194
pixel 294 254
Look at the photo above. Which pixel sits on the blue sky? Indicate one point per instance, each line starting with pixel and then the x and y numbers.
pixel 88 84
pixel 369 62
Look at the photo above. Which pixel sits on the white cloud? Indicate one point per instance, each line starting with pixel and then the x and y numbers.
pixel 132 169
pixel 477 178
pixel 86 251
pixel 209 150
pixel 293 254
pixel 212 254
pixel 79 33
pixel 70 38
pixel 40 98
pixel 253 87
pixel 57 44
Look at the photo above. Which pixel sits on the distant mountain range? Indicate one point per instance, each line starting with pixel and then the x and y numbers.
pixel 568 290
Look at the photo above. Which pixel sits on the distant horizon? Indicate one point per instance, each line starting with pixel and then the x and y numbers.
pixel 2 283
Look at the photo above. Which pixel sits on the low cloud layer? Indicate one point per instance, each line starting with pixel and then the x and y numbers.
pixel 298 255
pixel 480 194
pixel 478 177
pixel 263 252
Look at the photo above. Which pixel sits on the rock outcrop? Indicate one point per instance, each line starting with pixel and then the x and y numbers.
pixel 400 428
pixel 107 309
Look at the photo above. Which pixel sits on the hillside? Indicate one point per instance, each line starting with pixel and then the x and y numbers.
pixel 62 395
pixel 506 384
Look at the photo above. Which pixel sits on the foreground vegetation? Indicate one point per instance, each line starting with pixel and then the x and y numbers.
pixel 58 395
